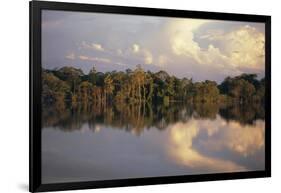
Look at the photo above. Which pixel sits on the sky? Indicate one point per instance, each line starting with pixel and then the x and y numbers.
pixel 193 48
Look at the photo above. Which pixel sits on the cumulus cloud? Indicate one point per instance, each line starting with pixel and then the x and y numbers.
pixel 102 60
pixel 119 52
pixel 245 47
pixel 121 64
pixel 148 58
pixel 143 55
pixel 95 59
pixel 70 56
pixel 197 48
pixel 212 34
pixel 97 47
pixel 181 34
pixel 162 60
pixel 240 48
pixel 139 53
pixel 94 46
pixel 136 48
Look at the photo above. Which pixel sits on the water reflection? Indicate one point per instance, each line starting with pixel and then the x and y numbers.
pixel 186 139
pixel 88 142
pixel 138 117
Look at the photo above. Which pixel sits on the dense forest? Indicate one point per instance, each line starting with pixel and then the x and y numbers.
pixel 71 87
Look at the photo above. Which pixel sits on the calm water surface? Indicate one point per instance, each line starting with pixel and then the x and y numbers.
pixel 132 141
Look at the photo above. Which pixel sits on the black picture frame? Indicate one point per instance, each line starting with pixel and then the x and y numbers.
pixel 35 184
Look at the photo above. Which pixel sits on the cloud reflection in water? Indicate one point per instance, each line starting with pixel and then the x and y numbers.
pixel 244 140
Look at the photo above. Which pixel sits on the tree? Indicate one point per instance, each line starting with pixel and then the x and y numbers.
pixel 150 87
pixel 170 87
pixel 54 91
pixel 138 80
pixel 206 91
pixel 239 88
pixel 71 75
pixel 108 86
pixel 251 78
pixel 247 91
pixel 85 92
pixel 260 91
pixel 97 94
pixel 244 86
pixel 92 76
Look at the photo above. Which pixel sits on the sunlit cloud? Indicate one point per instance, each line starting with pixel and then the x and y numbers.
pixel 181 32
pixel 97 47
pixel 162 61
pixel 212 34
pixel 136 48
pixel 141 53
pixel 70 56
pixel 121 64
pixel 148 58
pixel 244 140
pixel 94 59
pixel 245 47
pixel 99 59
pixel 193 48
pixel 119 52
pixel 94 46
pixel 240 48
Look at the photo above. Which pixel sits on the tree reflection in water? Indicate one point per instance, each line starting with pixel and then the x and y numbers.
pixel 136 118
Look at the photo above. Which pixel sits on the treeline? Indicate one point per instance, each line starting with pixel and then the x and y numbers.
pixel 69 85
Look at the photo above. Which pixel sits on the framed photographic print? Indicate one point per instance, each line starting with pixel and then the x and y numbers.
pixel 123 96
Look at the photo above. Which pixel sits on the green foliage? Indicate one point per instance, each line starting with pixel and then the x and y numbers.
pixel 71 86
pixel 54 89
pixel 243 89
pixel 92 76
pixel 206 91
